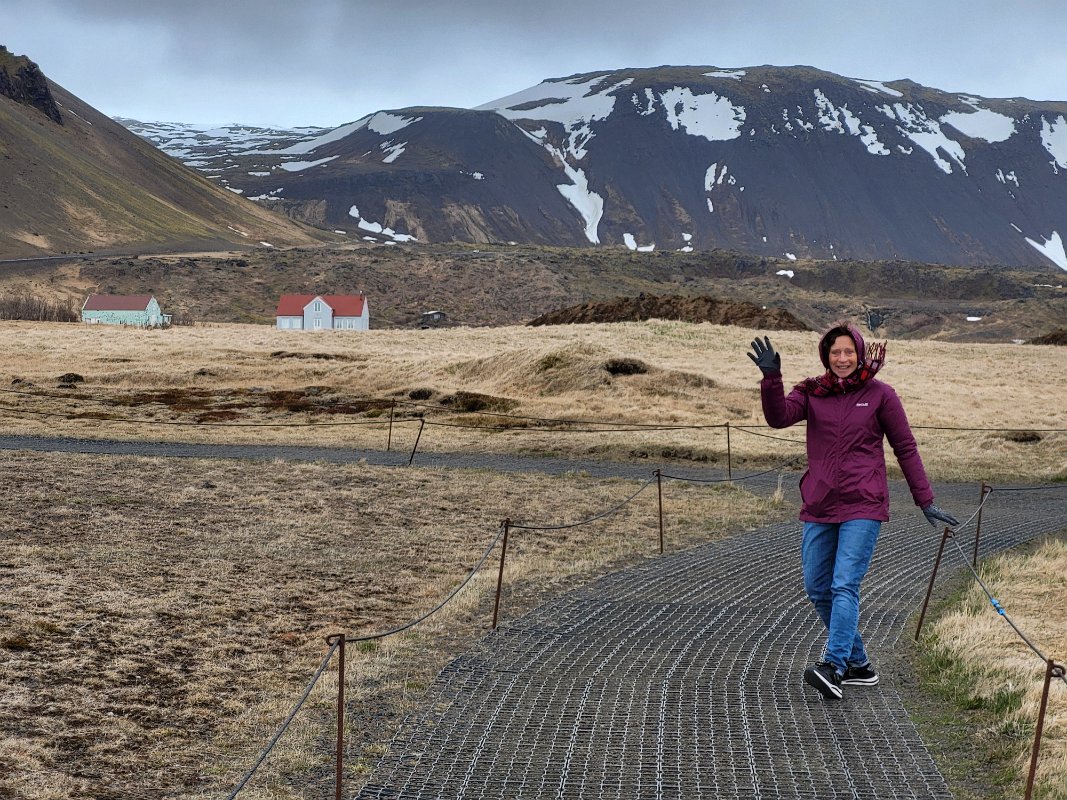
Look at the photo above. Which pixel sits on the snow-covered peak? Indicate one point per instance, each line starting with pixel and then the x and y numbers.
pixel 384 123
pixel 565 101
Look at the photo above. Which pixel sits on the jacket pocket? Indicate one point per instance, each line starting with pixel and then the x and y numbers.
pixel 814 492
pixel 864 488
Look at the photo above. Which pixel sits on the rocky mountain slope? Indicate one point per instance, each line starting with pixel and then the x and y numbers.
pixel 784 162
pixel 73 180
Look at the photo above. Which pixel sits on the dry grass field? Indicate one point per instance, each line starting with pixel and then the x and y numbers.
pixel 224 383
pixel 159 617
pixel 985 666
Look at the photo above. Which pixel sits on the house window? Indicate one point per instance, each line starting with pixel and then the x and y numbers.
pixel 318 305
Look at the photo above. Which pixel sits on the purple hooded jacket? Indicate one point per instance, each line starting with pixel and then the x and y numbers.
pixel 846 477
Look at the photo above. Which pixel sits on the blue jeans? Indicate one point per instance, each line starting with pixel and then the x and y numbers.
pixel 836 556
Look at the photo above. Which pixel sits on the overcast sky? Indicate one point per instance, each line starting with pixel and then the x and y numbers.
pixel 327 62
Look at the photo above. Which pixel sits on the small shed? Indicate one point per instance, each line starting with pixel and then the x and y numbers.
pixel 318 312
pixel 432 319
pixel 138 310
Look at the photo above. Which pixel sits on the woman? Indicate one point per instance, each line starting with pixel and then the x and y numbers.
pixel 844 492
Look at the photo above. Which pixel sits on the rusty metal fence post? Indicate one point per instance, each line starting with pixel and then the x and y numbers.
pixel 500 574
pixel 929 589
pixel 1052 670
pixel 986 489
pixel 422 424
pixel 659 495
pixel 339 638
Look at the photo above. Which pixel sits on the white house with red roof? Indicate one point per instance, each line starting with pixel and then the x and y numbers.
pixel 323 312
pixel 138 310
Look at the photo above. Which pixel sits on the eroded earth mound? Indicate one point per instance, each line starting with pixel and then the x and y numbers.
pixel 701 308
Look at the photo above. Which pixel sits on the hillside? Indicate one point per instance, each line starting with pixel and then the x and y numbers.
pixel 782 162
pixel 73 180
pixel 502 285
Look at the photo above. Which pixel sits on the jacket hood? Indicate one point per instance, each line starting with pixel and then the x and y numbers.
pixel 833 333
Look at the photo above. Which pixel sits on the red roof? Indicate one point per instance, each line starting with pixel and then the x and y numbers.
pixel 343 305
pixel 117 302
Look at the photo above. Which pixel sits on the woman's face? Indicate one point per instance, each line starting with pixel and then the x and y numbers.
pixel 843 358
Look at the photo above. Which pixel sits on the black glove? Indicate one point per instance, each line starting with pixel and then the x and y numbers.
pixel 764 357
pixel 934 514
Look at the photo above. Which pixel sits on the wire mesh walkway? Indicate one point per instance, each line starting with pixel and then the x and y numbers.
pixel 681 679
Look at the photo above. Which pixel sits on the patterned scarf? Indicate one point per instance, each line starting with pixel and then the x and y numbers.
pixel 828 384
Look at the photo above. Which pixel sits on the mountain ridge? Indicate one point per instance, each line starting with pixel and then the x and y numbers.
pixel 775 161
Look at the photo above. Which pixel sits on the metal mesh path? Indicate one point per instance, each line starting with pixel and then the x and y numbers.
pixel 680 678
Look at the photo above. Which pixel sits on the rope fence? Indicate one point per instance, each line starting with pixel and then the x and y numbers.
pixel 549 424
pixel 1053 669
pixel 338 642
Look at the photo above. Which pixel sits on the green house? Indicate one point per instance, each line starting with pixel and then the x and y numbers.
pixel 138 310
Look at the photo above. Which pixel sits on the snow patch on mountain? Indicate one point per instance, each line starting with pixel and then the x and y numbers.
pixel 391 150
pixel 709 177
pixel 585 201
pixel 384 123
pixel 313 144
pixel 982 124
pixel 1054 139
pixel 713 178
pixel 837 119
pixel 927 133
pixel 631 244
pixel 566 101
pixel 378 228
pixel 1052 247
pixel 736 74
pixel 574 103
pixel 298 166
pixel 713 117
pixel 1005 177
pixel 877 86
pixel 645 107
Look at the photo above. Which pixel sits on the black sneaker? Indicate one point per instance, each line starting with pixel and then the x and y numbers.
pixel 823 676
pixel 860 676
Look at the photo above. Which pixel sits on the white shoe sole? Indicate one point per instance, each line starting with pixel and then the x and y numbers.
pixel 827 689
pixel 860 681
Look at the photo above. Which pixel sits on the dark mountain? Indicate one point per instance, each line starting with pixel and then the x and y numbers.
pixel 784 162
pixel 71 180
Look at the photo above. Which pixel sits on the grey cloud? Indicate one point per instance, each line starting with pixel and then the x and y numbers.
pixel 335 60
